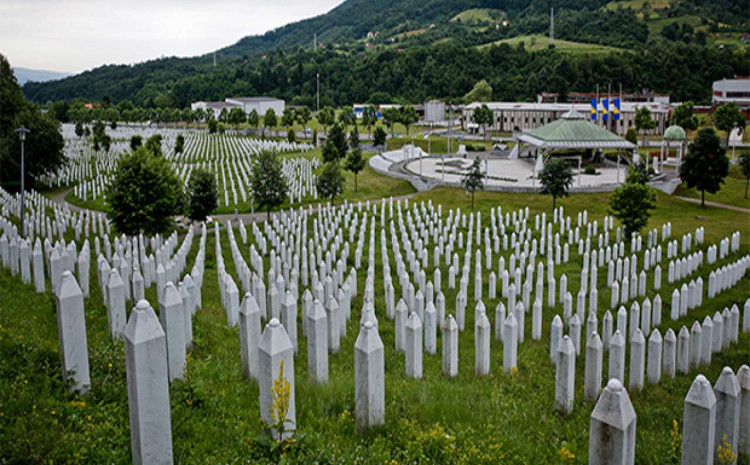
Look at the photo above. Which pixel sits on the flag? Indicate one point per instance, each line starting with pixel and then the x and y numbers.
pixel 616 109
pixel 594 114
pixel 605 109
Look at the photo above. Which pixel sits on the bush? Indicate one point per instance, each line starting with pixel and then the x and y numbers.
pixel 204 197
pixel 589 170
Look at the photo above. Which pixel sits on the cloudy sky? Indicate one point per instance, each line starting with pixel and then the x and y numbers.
pixel 76 35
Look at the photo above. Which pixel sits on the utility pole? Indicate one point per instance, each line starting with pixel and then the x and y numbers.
pixel 317 98
pixel 450 126
pixel 552 27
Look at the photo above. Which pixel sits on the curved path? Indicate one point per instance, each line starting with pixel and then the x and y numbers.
pixel 715 204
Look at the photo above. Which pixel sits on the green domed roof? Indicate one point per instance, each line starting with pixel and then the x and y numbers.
pixel 675 132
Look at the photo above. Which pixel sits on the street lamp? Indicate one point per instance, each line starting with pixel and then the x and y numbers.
pixel 734 139
pixel 22 131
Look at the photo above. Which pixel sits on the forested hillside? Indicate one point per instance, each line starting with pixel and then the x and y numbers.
pixel 419 52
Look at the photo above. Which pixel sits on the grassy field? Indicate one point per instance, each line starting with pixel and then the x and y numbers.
pixel 436 144
pixel 478 15
pixel 500 418
pixel 537 42
pixel 731 193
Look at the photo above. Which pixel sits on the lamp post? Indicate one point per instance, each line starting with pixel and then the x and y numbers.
pixel 22 131
pixel 734 139
pixel 317 95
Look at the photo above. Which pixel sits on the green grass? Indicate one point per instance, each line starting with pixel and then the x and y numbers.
pixel 478 15
pixel 538 42
pixel 436 144
pixel 215 414
pixel 731 193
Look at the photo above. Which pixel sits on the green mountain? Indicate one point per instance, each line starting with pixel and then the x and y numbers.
pixel 439 48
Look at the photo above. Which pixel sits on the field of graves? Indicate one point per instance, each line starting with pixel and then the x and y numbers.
pixel 463 380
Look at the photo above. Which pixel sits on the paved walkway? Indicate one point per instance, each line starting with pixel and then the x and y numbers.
pixel 716 204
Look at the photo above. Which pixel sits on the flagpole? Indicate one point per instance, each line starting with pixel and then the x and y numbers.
pixel 609 104
pixel 597 104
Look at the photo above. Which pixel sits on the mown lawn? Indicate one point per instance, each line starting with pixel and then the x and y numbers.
pixel 500 418
pixel 731 193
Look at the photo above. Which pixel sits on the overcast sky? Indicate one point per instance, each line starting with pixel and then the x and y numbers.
pixel 76 35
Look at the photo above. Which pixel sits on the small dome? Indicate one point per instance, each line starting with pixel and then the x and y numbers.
pixel 675 132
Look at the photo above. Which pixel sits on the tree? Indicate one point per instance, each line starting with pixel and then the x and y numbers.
pixel 253 119
pixel 203 194
pixel 236 117
pixel 153 144
pixel 79 129
pixel 291 136
pixel 303 117
pixel 288 118
pixel 683 117
pixel 330 183
pixel 482 92
pixel 329 153
pixel 706 165
pixel 212 125
pixel 326 117
pixel 632 203
pixel 473 179
pixel 43 146
pixel 408 117
pixel 556 178
pixel 379 137
pixel 637 173
pixel 106 142
pixel 632 136
pixel 745 167
pixel 135 142
pixel 369 118
pixel 727 117
pixel 391 116
pixel 269 188
pixel 346 117
pixel 483 116
pixel 179 144
pixel 144 194
pixel 354 138
pixel 644 121
pixel 338 137
pixel 355 163
pixel 270 120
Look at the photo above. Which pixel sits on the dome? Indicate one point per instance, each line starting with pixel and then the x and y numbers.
pixel 675 133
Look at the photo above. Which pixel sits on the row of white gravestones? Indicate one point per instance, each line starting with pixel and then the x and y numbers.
pixel 716 417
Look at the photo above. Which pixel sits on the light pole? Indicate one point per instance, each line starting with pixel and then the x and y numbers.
pixel 317 95
pixel 734 139
pixel 22 131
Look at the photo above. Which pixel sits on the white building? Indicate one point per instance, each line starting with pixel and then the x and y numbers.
pixel 259 104
pixel 434 111
pixel 512 116
pixel 213 107
pixel 732 90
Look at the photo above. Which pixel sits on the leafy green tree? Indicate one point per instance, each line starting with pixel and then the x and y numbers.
pixel 369 118
pixel 326 117
pixel 144 194
pixel 632 136
pixel 60 110
pixel 212 125
pixel 706 165
pixel 303 117
pixel 338 137
pixel 346 117
pixel 79 129
pixel 354 138
pixel 644 121
pixel 632 203
pixel 379 137
pixel 106 142
pixel 408 117
pixel 236 117
pixel 203 194
pixel 483 116
pixel 683 116
pixel 288 118
pixel 253 119
pixel 268 185
pixel 481 92
pixel 269 120
pixel 556 178
pixel 153 144
pixel 329 153
pixel 291 136
pixel 391 116
pixel 330 182
pixel 355 163
pixel 745 167
pixel 727 117
pixel 473 180
pixel 223 115
pixel 43 146
pixel 179 144
pixel 135 142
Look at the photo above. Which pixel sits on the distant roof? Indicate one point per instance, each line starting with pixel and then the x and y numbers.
pixel 573 130
pixel 732 85
pixel 253 99
pixel 655 107
pixel 220 105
